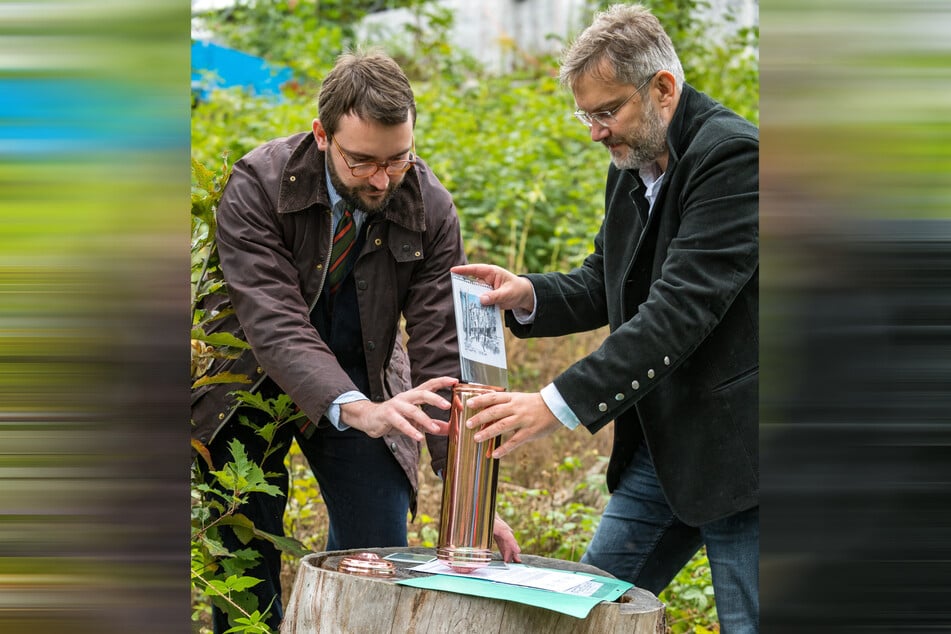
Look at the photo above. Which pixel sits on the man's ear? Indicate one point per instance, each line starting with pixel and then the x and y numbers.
pixel 667 91
pixel 320 135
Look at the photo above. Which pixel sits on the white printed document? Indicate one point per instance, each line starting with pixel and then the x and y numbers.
pixel 522 575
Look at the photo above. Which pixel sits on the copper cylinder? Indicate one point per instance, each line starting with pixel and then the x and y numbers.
pixel 468 493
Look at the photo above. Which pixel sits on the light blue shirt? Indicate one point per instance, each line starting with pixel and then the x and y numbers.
pixel 550 394
pixel 333 412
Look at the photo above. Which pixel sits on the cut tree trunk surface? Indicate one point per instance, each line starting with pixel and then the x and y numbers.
pixel 325 601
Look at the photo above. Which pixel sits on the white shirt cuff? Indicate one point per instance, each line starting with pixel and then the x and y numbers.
pixel 558 407
pixel 333 412
pixel 524 317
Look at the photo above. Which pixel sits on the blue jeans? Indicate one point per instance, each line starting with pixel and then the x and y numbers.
pixel 640 540
pixel 366 492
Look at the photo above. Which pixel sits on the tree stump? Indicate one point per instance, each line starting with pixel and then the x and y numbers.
pixel 325 601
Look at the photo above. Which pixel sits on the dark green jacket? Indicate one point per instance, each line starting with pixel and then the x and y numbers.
pixel 681 295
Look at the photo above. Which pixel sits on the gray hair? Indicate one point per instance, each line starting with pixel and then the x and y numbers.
pixel 632 41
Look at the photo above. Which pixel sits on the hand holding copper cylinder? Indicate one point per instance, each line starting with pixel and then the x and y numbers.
pixel 401 413
pixel 526 415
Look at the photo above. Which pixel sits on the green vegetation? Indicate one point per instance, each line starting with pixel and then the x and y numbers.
pixel 528 184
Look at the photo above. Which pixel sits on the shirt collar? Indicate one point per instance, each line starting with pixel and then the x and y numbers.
pixel 335 200
pixel 331 190
pixel 652 181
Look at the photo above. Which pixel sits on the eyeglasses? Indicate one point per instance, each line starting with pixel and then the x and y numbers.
pixel 369 168
pixel 606 118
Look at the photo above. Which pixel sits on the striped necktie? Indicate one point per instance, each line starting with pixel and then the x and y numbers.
pixel 344 237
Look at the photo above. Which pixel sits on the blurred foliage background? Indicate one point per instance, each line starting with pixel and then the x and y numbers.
pixel 526 178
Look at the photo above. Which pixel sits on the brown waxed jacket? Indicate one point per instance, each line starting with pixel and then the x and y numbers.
pixel 274 239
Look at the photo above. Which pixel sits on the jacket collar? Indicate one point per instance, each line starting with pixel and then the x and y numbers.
pixel 692 110
pixel 303 185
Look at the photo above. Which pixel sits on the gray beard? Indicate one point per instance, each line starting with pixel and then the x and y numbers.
pixel 647 145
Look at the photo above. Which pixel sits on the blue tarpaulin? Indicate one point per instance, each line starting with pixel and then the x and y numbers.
pixel 215 66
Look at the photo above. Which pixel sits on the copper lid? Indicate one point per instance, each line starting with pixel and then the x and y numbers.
pixel 368 564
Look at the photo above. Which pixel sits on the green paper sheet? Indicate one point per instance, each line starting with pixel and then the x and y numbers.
pixel 571 604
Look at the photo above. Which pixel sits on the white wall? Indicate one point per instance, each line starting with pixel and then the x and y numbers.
pixel 488 28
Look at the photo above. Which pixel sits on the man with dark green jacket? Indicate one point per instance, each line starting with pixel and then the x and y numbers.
pixel 674 273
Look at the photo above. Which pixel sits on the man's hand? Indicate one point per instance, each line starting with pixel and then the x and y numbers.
pixel 525 414
pixel 510 290
pixel 505 540
pixel 401 413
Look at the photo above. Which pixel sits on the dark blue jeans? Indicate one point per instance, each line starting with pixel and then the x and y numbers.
pixel 640 540
pixel 366 492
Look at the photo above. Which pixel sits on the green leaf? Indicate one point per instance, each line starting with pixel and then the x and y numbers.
pixel 242 476
pixel 267 431
pixel 282 407
pixel 220 339
pixel 255 400
pixel 204 177
pixel 289 545
pixel 238 561
pixel 221 377
pixel 244 534
pixel 242 583
pixel 214 547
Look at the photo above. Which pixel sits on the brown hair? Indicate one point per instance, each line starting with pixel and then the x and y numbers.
pixel 369 85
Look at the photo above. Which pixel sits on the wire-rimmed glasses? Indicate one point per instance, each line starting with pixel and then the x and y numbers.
pixel 607 118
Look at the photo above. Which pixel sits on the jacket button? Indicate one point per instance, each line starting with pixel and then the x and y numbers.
pixel 418 254
pixel 221 416
pixel 377 242
pixel 371 345
pixel 406 247
pixel 650 373
pixel 260 370
pixel 293 178
pixel 602 407
pixel 393 446
pixel 666 360
pixel 362 285
pixel 635 385
pixel 618 397
pixel 319 266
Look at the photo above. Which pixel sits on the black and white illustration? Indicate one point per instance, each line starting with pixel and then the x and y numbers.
pixel 479 327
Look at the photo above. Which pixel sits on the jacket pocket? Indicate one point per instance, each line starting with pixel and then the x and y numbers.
pixel 739 378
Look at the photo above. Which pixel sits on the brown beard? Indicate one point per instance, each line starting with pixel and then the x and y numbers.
pixel 351 195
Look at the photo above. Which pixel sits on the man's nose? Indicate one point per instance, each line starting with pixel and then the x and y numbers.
pixel 380 180
pixel 599 132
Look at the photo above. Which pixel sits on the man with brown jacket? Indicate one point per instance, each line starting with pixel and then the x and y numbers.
pixel 323 320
